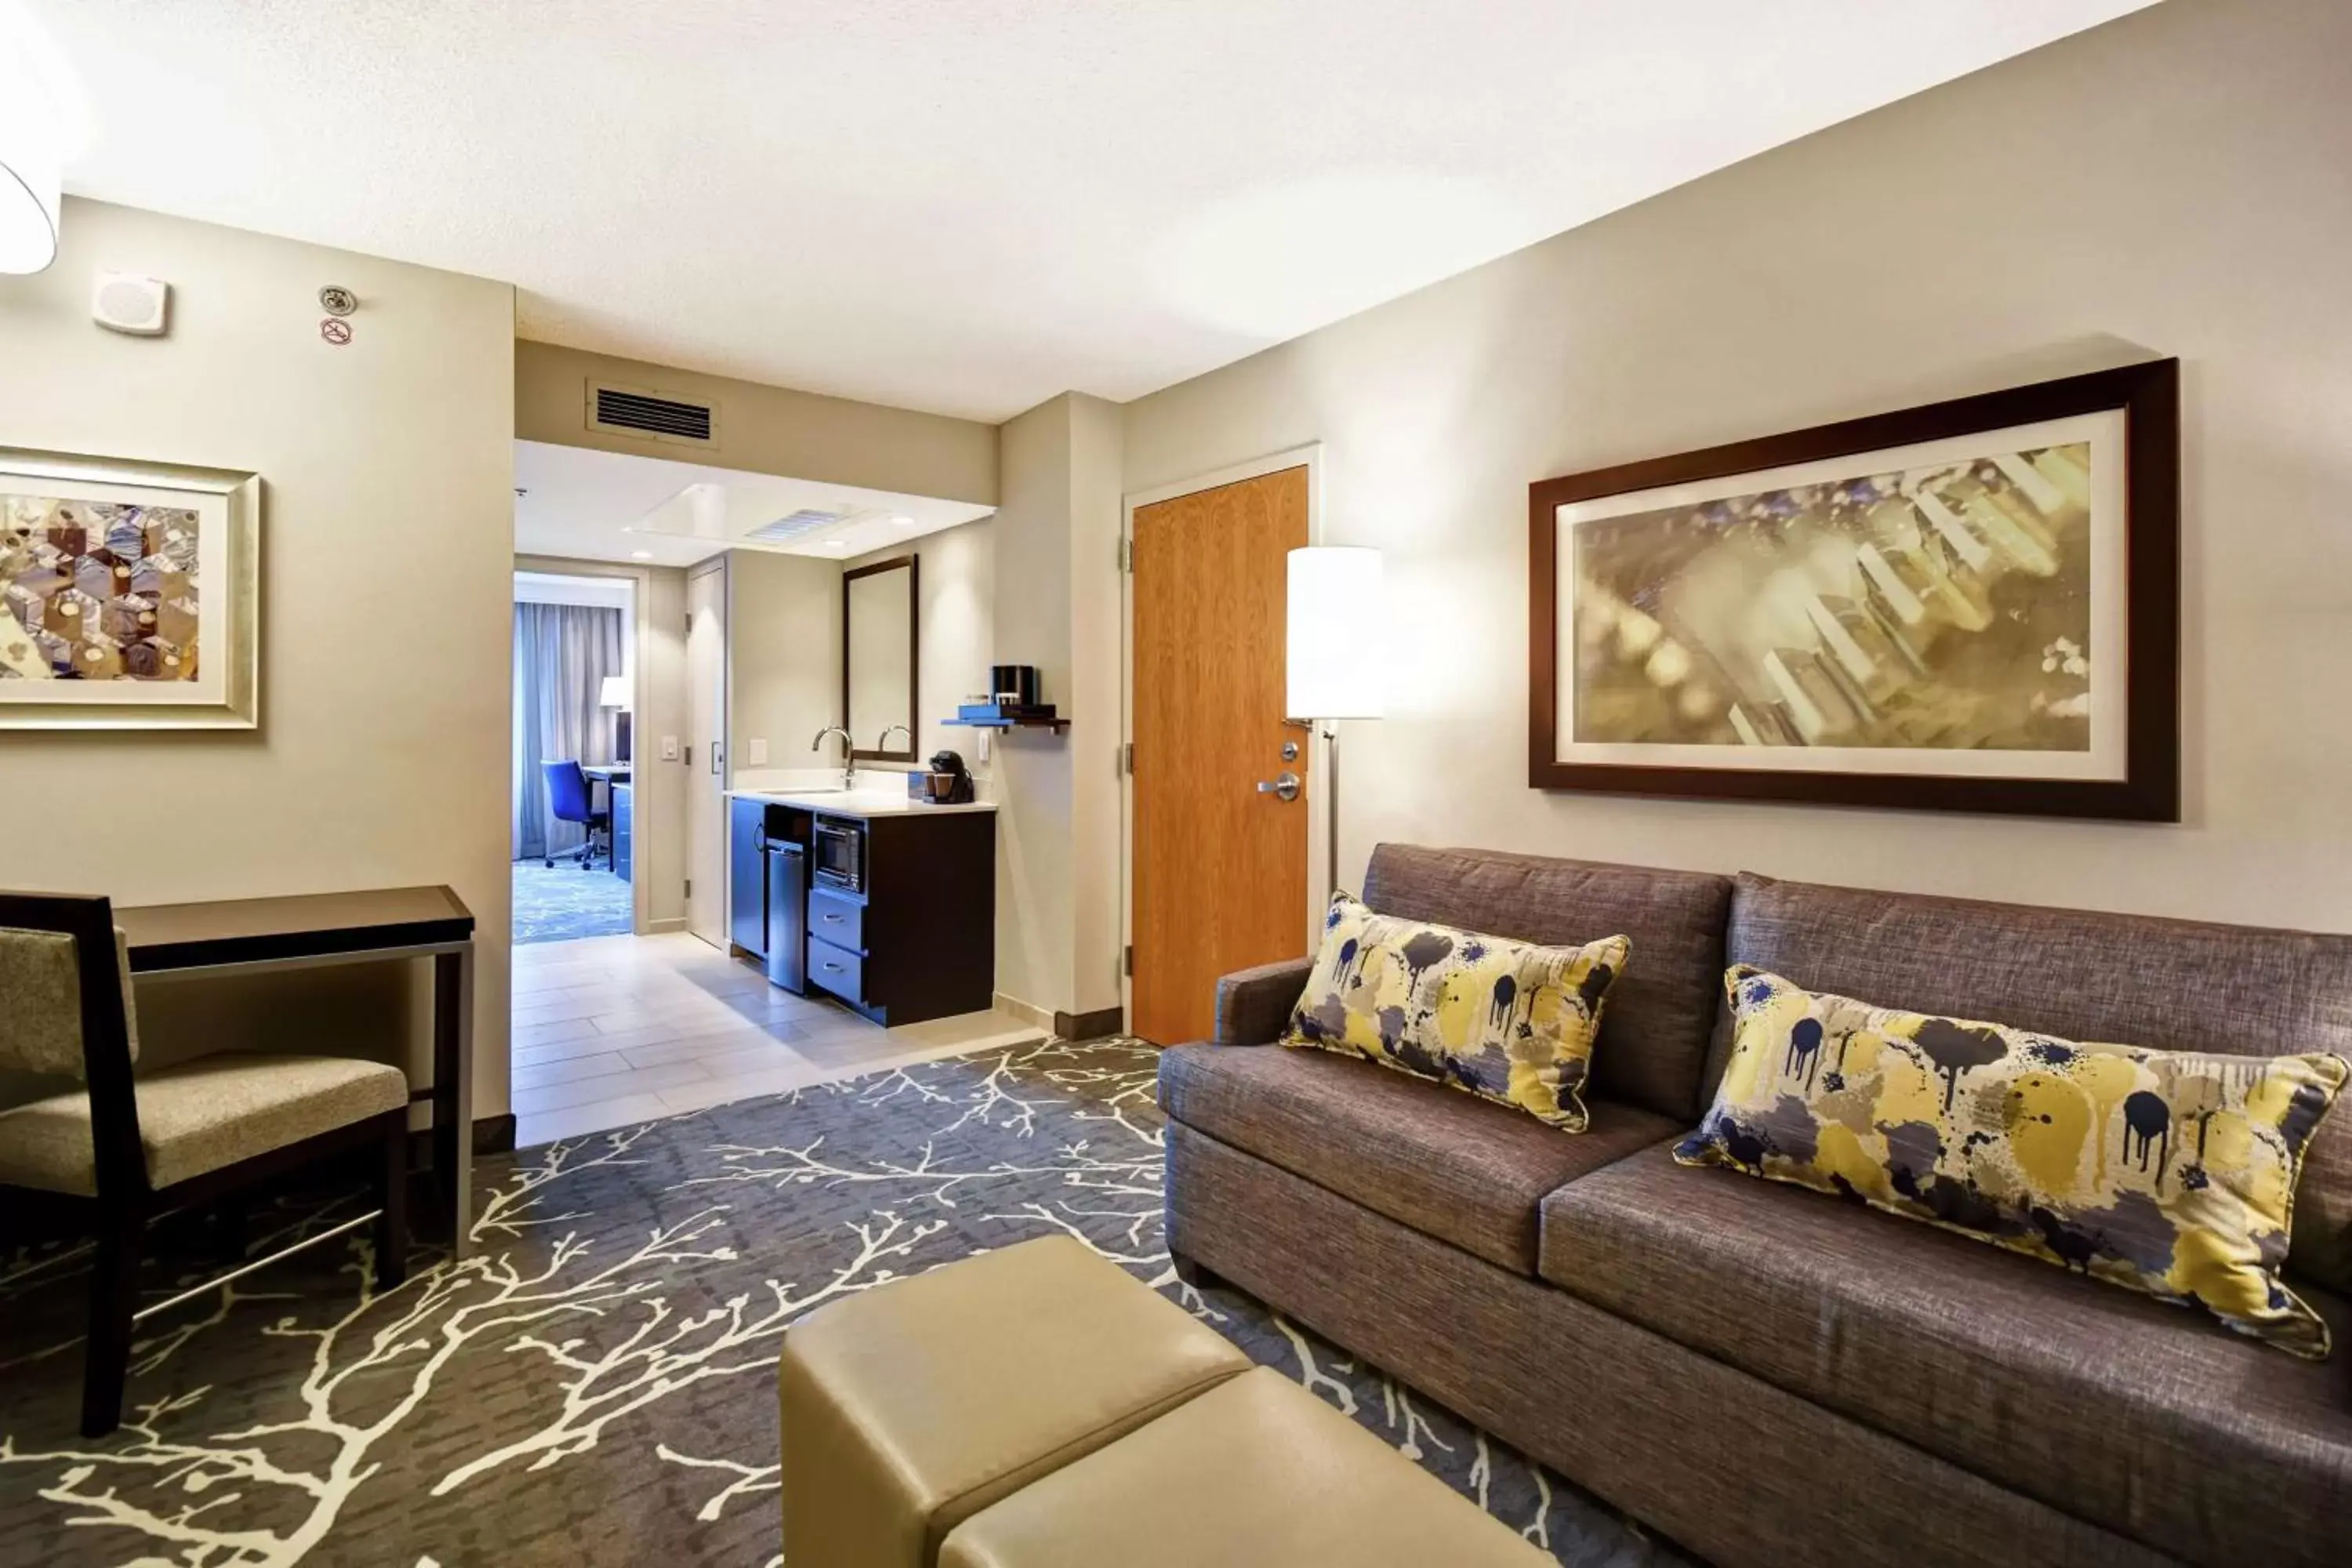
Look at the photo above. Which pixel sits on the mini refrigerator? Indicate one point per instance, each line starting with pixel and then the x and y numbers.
pixel 787 934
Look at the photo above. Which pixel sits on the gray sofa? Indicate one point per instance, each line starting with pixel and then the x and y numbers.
pixel 1765 1375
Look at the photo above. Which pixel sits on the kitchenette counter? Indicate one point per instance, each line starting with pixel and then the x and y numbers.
pixel 865 804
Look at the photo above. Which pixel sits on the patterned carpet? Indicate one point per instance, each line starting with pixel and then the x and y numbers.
pixel 596 1384
pixel 565 903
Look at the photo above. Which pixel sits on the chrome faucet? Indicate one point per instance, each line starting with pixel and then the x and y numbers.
pixel 884 743
pixel 848 754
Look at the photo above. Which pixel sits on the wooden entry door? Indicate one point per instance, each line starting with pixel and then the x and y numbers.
pixel 1220 866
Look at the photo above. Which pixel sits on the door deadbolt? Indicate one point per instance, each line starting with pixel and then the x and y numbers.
pixel 1285 787
pixel 1290 750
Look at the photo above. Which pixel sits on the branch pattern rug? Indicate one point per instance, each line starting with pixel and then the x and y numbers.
pixel 595 1386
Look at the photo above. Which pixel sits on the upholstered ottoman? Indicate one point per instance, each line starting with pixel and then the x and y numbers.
pixel 914 1405
pixel 1256 1473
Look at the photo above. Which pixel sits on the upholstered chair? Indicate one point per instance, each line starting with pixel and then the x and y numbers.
pixel 119 1149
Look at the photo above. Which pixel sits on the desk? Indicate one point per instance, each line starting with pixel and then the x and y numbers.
pixel 252 936
pixel 615 778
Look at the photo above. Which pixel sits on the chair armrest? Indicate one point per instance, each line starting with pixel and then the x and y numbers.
pixel 1253 1006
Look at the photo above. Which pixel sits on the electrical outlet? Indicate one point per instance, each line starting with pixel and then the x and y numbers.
pixel 758 753
pixel 669 748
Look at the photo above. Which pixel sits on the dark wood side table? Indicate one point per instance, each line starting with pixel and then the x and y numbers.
pixel 252 936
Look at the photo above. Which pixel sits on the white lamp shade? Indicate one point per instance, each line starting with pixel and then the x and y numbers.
pixel 42 123
pixel 1337 622
pixel 616 693
pixel 29 198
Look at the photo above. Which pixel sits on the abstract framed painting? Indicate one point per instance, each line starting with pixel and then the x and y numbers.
pixel 129 594
pixel 1968 606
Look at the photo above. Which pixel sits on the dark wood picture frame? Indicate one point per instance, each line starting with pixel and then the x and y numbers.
pixel 914 567
pixel 2148 395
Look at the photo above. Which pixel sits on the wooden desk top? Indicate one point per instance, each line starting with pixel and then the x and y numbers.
pixel 308 925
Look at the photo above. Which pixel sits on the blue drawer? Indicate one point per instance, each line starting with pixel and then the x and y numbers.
pixel 836 969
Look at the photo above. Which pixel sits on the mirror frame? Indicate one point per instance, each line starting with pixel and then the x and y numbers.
pixel 914 565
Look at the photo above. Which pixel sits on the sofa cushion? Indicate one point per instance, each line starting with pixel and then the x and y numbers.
pixel 1512 1022
pixel 1461 1169
pixel 1653 1038
pixel 2167 1172
pixel 2229 990
pixel 2101 1403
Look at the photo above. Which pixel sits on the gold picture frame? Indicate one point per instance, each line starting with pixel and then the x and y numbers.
pixel 148 573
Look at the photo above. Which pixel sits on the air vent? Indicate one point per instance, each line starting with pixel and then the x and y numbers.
pixel 635 411
pixel 784 529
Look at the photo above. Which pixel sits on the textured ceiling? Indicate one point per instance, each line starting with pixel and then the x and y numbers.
pixel 970 206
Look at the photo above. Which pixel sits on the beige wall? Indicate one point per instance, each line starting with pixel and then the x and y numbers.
pixel 783 658
pixel 1098 636
pixel 764 429
pixel 1057 607
pixel 955 613
pixel 1034 883
pixel 387 518
pixel 2171 184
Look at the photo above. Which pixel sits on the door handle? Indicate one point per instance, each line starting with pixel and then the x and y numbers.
pixel 1285 787
pixel 714 756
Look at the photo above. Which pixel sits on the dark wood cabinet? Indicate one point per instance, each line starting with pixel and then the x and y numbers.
pixel 918 940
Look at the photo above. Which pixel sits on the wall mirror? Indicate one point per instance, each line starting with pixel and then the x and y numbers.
pixel 880 651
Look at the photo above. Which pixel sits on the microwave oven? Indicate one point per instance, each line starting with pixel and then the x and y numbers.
pixel 837 856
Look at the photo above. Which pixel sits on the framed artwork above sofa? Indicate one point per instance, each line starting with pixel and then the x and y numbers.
pixel 1973 606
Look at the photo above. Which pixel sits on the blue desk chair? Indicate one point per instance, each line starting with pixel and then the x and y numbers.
pixel 568 800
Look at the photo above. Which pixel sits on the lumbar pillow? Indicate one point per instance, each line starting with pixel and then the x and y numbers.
pixel 2167 1172
pixel 1508 1021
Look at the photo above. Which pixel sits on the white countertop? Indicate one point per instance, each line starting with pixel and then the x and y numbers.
pixel 863 803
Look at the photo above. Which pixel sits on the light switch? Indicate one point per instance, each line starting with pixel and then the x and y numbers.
pixel 987 744
pixel 669 748
pixel 758 753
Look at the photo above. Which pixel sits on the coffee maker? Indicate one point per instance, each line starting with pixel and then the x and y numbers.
pixel 947 782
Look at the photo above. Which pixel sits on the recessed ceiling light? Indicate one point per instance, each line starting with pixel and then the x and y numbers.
pixel 903 521
pixel 641 555
pixel 836 544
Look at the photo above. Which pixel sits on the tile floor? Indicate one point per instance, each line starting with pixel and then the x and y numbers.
pixel 610 1030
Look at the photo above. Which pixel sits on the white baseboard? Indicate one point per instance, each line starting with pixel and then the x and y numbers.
pixel 657 928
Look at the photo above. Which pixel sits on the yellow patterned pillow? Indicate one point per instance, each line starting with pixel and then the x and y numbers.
pixel 1508 1021
pixel 2167 1172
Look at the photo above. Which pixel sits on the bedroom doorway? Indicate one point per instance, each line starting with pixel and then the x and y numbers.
pixel 574 694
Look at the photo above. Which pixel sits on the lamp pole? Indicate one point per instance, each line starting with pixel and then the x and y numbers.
pixel 1332 668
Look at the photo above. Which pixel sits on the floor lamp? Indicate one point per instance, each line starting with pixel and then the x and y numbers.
pixel 615 694
pixel 1333 672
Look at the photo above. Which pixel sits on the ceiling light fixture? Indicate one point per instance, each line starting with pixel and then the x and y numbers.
pixel 836 544
pixel 902 521
pixel 641 555
pixel 39 129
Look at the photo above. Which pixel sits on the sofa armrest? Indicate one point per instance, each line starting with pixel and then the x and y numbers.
pixel 1254 1004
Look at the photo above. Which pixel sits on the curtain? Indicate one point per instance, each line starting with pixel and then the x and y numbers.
pixel 561 655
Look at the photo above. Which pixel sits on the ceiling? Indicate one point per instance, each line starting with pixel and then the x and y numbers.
pixel 588 505
pixel 969 207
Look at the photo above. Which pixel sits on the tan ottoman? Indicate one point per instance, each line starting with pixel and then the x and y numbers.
pixel 1256 1473
pixel 916 1404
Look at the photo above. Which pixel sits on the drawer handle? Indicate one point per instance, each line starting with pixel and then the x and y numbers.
pixel 836 918
pixel 834 967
